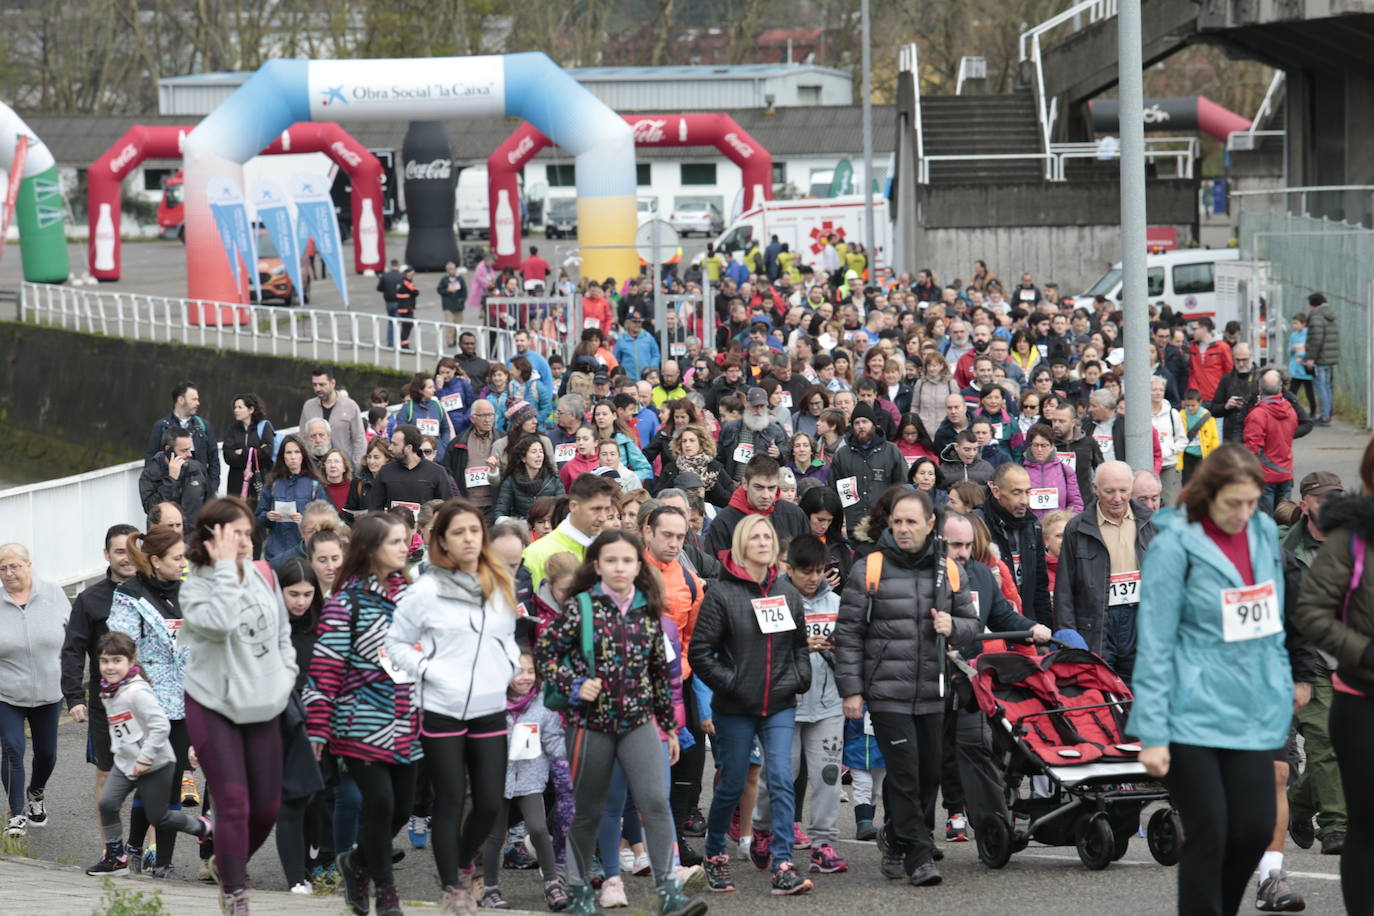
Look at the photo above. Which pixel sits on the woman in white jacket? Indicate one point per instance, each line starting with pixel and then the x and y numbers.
pixel 1173 438
pixel 454 633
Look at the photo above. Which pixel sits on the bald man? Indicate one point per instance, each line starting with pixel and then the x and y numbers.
pixel 1016 532
pixel 1147 490
pixel 1097 589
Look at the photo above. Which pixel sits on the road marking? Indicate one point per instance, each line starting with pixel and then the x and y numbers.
pixel 1324 876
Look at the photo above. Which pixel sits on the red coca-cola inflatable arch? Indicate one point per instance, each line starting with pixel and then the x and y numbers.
pixel 145 141
pixel 718 130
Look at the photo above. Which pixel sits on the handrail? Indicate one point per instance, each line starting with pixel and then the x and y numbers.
pixel 982 157
pixel 909 60
pixel 338 336
pixel 1155 150
pixel 1265 108
pixel 1029 48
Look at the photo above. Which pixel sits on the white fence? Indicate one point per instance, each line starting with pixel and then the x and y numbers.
pixel 306 333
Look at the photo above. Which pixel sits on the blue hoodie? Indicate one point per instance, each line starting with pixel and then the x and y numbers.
pixel 1191 686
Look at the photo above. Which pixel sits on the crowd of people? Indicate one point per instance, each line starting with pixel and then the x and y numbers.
pixel 509 615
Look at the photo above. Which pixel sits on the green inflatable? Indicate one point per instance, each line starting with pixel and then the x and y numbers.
pixel 38 210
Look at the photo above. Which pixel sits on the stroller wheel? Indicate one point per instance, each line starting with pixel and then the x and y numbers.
pixel 1096 843
pixel 994 842
pixel 1165 836
pixel 1123 845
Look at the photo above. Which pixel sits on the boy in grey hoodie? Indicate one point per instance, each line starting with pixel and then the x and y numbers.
pixel 819 733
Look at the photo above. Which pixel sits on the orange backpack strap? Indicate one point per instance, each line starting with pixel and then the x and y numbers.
pixel 952 573
pixel 873 571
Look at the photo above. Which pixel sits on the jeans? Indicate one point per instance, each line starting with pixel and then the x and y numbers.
pixel 734 739
pixel 43 725
pixel 1273 494
pixel 391 325
pixel 1321 376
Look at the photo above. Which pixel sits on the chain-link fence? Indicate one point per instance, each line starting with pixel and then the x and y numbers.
pixel 1307 255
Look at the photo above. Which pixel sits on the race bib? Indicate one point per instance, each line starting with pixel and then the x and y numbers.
pixel 821 623
pixel 1123 589
pixel 668 652
pixel 591 323
pixel 1068 459
pixel 565 452
pixel 1104 443
pixel 848 488
pixel 1027 295
pixel 1044 498
pixel 477 477
pixel 524 741
pixel 743 452
pixel 677 349
pixel 1016 567
pixel 413 507
pixel 977 608
pixel 773 614
pixel 910 460
pixel 1249 613
pixel 997 430
pixel 387 665
pixel 521 610
pixel 174 628
pixel 868 725
pixel 428 427
pixel 124 729
pixel 785 400
pixel 452 402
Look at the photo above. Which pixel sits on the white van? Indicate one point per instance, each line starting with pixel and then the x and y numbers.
pixel 801 223
pixel 471 203
pixel 1185 279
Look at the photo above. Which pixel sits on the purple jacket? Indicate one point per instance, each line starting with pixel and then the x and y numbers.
pixel 1054 474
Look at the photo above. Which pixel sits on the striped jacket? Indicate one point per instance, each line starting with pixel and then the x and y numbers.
pixel 352 704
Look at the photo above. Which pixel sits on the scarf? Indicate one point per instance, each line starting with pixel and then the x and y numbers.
pixel 516 706
pixel 740 500
pixel 107 690
pixel 696 464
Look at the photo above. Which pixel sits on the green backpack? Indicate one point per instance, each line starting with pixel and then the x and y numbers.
pixel 553 699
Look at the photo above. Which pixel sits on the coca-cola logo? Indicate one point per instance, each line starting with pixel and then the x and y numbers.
pixel 436 170
pixel 649 130
pixel 346 154
pixel 522 149
pixel 126 155
pixel 739 145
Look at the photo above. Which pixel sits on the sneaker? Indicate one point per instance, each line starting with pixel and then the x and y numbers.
pixel 758 849
pixel 555 895
pixel 207 831
pixel 114 863
pixel 686 853
pixel 695 824
pixel 1333 843
pixel 150 857
pixel 18 826
pixel 518 857
pixel 718 878
pixel 418 830
pixel 642 866
pixel 926 875
pixel 303 888
pixel 235 904
pixel 166 873
pixel 1275 896
pixel 582 901
pixel 206 872
pixel 627 861
pixel 356 884
pixel 956 828
pixel 800 838
pixel 734 832
pixel 137 862
pixel 613 893
pixel 893 864
pixel 1302 831
pixel 692 878
pixel 825 861
pixel 190 793
pixel 786 881
pixel 388 903
pixel 457 901
pixel 34 811
pixel 491 898
pixel 674 900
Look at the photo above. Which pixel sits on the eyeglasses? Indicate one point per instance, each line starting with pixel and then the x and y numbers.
pixel 11 569
pixel 427 452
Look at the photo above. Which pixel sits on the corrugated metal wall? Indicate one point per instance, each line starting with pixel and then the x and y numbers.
pixel 686 95
pixel 185 101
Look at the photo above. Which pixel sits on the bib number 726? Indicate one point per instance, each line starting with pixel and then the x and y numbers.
pixel 773 614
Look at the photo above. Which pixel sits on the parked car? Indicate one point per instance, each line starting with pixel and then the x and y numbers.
pixel 697 216
pixel 560 217
pixel 272 276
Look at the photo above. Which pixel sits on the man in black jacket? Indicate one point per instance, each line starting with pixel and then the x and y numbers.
pixel 411 480
pixel 175 477
pixel 1097 588
pixel 1234 391
pixel 85 626
pixel 388 284
pixel 757 495
pixel 185 415
pixel 889 652
pixel 1016 532
pixel 1074 447
pixel 864 466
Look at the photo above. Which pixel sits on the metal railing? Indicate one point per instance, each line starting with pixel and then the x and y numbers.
pixel 1245 139
pixel 1047 158
pixel 1182 151
pixel 306 333
pixel 909 60
pixel 1029 47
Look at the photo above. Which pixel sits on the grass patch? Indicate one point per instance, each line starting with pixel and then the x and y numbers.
pixel 16 846
pixel 127 902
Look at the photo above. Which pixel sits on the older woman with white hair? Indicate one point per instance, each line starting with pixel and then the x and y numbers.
pixel 33 621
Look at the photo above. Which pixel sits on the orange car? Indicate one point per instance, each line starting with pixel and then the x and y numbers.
pixel 272 276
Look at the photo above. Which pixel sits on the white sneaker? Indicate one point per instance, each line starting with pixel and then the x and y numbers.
pixel 35 812
pixel 642 866
pixel 742 851
pixel 692 878
pixel 627 861
pixel 18 826
pixel 302 888
pixel 613 894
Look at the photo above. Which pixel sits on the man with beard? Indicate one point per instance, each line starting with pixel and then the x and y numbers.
pixel 1020 542
pixel 317 439
pixel 1077 450
pixel 755 433
pixel 473 366
pixel 758 494
pixel 865 465
pixel 344 418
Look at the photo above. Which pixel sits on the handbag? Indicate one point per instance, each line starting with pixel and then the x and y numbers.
pixel 251 483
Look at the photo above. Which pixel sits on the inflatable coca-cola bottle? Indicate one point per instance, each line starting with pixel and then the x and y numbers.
pixel 430 179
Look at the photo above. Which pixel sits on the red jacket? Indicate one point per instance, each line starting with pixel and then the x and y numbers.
pixel 1205 371
pixel 1269 429
pixel 596 308
pixel 963 369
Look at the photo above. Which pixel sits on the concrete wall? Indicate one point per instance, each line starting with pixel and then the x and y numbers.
pixel 1072 203
pixel 74 402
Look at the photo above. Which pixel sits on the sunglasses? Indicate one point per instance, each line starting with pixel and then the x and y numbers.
pixel 426 452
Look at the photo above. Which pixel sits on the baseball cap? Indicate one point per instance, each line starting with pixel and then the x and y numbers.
pixel 634 315
pixel 756 397
pixel 1319 482
pixel 688 480
pixel 601 378
pixel 1116 357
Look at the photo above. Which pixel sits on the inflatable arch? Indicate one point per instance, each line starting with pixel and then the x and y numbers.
pixel 144 141
pixel 718 130
pixel 38 207
pixel 527 86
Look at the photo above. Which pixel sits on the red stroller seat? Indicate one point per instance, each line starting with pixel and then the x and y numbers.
pixel 1091 695
pixel 1013 687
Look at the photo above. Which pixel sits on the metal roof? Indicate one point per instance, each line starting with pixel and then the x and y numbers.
pixel 819 131
pixel 696 72
pixel 221 78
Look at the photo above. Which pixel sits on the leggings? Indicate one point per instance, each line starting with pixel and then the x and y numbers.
pixel 43 726
pixel 1301 385
pixel 621 819
pixel 303 823
pixel 691 763
pixel 242 766
pixel 1352 736
pixel 462 753
pixel 532 810
pixel 1226 800
pixel 154 784
pixel 140 818
pixel 388 790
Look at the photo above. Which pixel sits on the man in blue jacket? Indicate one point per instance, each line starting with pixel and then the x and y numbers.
pixel 636 350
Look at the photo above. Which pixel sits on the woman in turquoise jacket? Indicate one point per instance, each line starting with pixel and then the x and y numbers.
pixel 1213 686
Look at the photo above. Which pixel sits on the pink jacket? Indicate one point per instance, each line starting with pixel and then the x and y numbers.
pixel 1054 474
